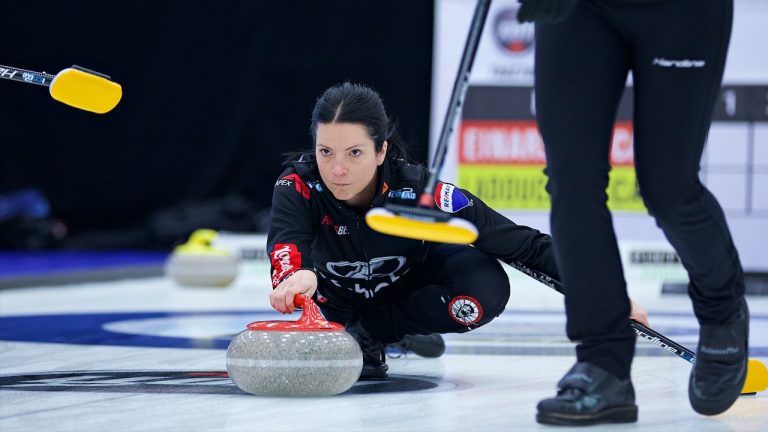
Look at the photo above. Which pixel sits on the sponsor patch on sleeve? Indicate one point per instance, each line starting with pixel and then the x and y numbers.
pixel 449 198
pixel 286 259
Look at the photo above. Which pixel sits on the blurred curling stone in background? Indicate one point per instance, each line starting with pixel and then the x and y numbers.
pixel 307 357
pixel 199 262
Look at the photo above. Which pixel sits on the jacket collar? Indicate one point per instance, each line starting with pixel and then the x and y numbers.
pixel 383 182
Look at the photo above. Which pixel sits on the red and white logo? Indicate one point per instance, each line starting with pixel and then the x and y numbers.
pixel 511 36
pixel 339 229
pixel 449 198
pixel 465 310
pixel 443 194
pixel 301 187
pixel 286 259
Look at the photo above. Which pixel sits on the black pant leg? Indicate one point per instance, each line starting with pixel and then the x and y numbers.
pixel 580 74
pixel 673 112
pixel 335 312
pixel 456 289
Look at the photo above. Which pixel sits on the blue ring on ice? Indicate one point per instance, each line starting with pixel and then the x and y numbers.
pixel 517 332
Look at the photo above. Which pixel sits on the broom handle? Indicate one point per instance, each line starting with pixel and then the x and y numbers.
pixel 25 76
pixel 641 330
pixel 457 95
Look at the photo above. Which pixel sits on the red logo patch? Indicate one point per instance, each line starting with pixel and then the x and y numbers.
pixel 340 229
pixel 301 187
pixel 465 310
pixel 286 259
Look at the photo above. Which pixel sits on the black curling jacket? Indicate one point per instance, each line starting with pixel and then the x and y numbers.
pixel 311 229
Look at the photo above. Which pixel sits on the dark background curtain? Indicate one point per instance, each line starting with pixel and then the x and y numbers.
pixel 214 93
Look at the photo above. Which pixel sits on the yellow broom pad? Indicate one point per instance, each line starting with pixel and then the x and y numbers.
pixel 757 377
pixel 85 90
pixel 454 230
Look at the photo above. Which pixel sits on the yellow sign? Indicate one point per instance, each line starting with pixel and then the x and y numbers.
pixel 522 187
pixel 623 191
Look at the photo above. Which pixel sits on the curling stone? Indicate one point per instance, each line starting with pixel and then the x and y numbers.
pixel 307 357
pixel 199 263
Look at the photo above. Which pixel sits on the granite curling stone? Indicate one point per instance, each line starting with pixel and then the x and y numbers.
pixel 199 263
pixel 307 357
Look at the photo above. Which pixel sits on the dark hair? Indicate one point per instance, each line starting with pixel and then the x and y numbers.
pixel 357 103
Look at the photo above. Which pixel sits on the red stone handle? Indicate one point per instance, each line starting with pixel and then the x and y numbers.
pixel 311 319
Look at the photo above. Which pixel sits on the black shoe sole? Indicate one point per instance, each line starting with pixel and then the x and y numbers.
pixel 374 373
pixel 620 414
pixel 373 377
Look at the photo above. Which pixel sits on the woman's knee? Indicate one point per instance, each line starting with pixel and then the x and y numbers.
pixel 481 297
pixel 666 202
pixel 576 186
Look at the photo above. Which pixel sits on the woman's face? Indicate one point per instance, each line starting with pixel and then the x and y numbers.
pixel 347 160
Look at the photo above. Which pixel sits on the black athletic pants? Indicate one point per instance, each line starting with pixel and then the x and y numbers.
pixel 676 50
pixel 455 289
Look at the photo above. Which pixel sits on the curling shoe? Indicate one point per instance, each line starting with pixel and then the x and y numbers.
pixel 589 395
pixel 374 360
pixel 429 346
pixel 720 370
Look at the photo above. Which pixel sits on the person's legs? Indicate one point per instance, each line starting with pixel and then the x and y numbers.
pixel 456 289
pixel 374 360
pixel 673 111
pixel 334 312
pixel 677 79
pixel 581 70
pixel 580 73
pixel 429 345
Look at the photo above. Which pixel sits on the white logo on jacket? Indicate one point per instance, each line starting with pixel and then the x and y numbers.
pixel 445 198
pixel 680 64
pixel 376 268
